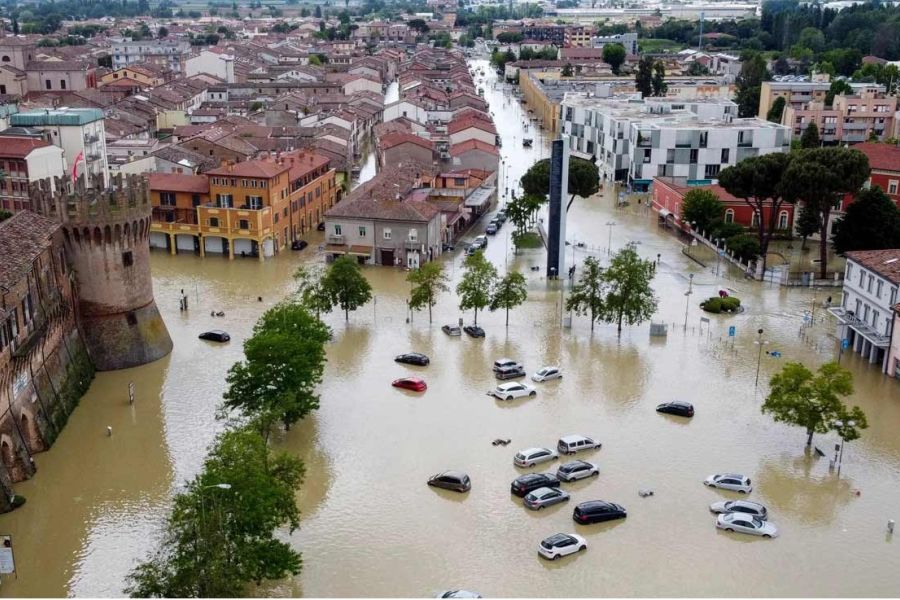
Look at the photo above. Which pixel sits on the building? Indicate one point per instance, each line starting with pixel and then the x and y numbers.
pixel 24 160
pixel 251 208
pixel 137 76
pixel 797 94
pixel 628 40
pixel 866 314
pixel 212 62
pixel 893 362
pixel 884 160
pixel 60 76
pixel 850 119
pixel 78 131
pixel 164 53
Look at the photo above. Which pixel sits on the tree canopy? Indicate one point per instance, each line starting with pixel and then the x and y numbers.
pixel 428 282
pixel 643 77
pixel 810 137
pixel 774 114
pixel 584 179
pixel 702 209
pixel 509 292
pixel 587 295
pixel 629 298
pixel 614 56
pixel 346 285
pixel 474 289
pixel 872 222
pixel 749 84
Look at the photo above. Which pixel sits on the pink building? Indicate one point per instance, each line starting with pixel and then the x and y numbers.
pixel 851 119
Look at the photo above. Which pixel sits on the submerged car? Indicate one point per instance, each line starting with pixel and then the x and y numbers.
pixel 577 469
pixel 215 335
pixel 503 363
pixel 474 331
pixel 576 443
pixel 546 374
pixel 598 511
pixel 532 456
pixel 561 544
pixel 456 481
pixel 491 229
pixel 452 330
pixel 678 408
pixel 509 391
pixel 729 481
pixel 510 372
pixel 749 509
pixel 413 384
pixel 746 524
pixel 528 483
pixel 458 594
pixel 543 497
pixel 413 358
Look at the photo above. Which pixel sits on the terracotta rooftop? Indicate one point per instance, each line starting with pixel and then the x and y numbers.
pixel 23 237
pixel 176 182
pixel 469 145
pixel 883 262
pixel 252 168
pixel 467 122
pixel 884 157
pixel 395 139
pixel 19 147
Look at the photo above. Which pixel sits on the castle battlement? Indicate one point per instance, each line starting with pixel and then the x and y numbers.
pixel 85 202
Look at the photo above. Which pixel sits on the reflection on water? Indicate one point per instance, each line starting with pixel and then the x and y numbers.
pixel 372 527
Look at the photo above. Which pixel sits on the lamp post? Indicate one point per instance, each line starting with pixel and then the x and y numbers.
pixel 839 425
pixel 760 343
pixel 687 298
pixel 610 225
pixel 717 257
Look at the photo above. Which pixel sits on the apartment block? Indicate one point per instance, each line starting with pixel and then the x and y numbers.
pixel 797 94
pixel 850 119
pixel 164 53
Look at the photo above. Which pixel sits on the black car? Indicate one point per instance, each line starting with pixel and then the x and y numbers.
pixel 474 331
pixel 678 407
pixel 597 511
pixel 521 486
pixel 299 244
pixel 456 481
pixel 216 335
pixel 321 226
pixel 413 358
pixel 510 372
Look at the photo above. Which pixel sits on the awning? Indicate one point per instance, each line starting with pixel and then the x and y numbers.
pixel 344 249
pixel 663 213
pixel 480 197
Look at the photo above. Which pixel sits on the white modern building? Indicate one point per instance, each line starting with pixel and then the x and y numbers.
pixel 628 40
pixel 78 131
pixel 217 64
pixel 634 140
pixel 866 314
pixel 165 53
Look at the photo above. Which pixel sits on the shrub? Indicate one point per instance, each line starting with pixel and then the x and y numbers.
pixel 730 304
pixel 727 230
pixel 712 305
pixel 745 247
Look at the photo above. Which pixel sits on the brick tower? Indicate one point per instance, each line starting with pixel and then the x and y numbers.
pixel 106 233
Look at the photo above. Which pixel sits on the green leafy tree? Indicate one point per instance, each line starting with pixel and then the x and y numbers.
pixel 872 222
pixel 799 397
pixel 509 37
pixel 810 137
pixel 418 25
pixel 509 292
pixel 587 296
pixel 584 179
pixel 821 177
pixel 807 223
pixel 643 78
pixel 220 535
pixel 162 32
pixel 311 292
pixel 474 289
pixel 660 87
pixel 283 363
pixel 758 181
pixel 774 114
pixel 346 285
pixel 428 282
pixel 702 209
pixel 749 84
pixel 629 297
pixel 838 87
pixel 567 70
pixel 614 56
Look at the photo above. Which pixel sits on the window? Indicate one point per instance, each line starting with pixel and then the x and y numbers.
pixel 725 153
pixel 892 186
pixel 862 279
pixel 127 258
pixel 712 171
pixel 214 221
pixel 754 222
pixel 783 220
pixel 460 181
pixel 387 233
pixel 27 309
pixel 893 296
pixel 670 156
pixel 704 138
pixel 337 230
pixel 5 58
pixel 243 224
pixel 167 198
pixel 224 200
pixel 362 231
pixel 2 89
pixel 858 306
pixel 647 155
pixel 874 318
pixel 694 155
pixel 62 84
pixel 869 285
pixel 195 200
pixel 49 84
pixel 878 288
pixel 413 235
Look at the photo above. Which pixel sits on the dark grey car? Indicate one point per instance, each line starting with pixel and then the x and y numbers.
pixel 456 481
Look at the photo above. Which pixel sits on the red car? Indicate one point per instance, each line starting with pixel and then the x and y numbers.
pixel 410 383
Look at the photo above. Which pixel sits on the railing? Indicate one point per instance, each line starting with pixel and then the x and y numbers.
pixel 334 238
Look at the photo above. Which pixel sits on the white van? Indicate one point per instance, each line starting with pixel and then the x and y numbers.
pixel 575 443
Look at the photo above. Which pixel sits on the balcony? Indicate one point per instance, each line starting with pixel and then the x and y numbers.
pixel 856 126
pixel 336 238
pixel 414 245
pixel 846 317
pixel 91 138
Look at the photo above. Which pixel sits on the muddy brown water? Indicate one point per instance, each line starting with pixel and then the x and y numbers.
pixel 371 527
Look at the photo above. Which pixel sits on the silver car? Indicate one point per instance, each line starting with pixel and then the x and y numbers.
pixel 544 496
pixel 533 456
pixel 577 469
pixel 746 524
pixel 730 481
pixel 750 509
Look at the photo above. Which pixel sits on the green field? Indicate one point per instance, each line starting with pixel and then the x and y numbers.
pixel 658 45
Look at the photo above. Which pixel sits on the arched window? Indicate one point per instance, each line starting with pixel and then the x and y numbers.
pixel 783 220
pixel 729 215
pixel 5 58
pixel 754 222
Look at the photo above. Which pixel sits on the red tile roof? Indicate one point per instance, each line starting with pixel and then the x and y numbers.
pixel 469 145
pixel 252 168
pixel 883 157
pixel 884 262
pixel 395 139
pixel 467 122
pixel 19 147
pixel 23 237
pixel 177 182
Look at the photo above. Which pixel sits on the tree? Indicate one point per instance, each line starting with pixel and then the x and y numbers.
pixel 774 114
pixel 810 137
pixel 758 181
pixel 509 292
pixel 629 297
pixel 584 179
pixel 428 281
pixel 588 294
pixel 813 401
pixel 821 177
pixel 311 292
pixel 749 84
pixel 315 60
pixel 220 534
pixel 702 209
pixel 162 32
pixel 643 78
pixel 283 364
pixel 660 87
pixel 346 285
pixel 474 289
pixel 509 37
pixel 418 25
pixel 614 56
pixel 872 222
pixel 807 223
pixel 838 87
pixel 317 13
pixel 567 70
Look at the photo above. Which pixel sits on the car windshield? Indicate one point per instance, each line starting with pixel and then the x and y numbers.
pixel 520 456
pixel 756 523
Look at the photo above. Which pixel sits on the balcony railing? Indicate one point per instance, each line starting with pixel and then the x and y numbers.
pixel 412 245
pixel 335 238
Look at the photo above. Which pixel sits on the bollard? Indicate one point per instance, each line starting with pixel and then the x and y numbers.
pixel 890 526
pixel 108 431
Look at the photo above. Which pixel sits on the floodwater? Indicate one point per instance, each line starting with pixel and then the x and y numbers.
pixel 371 527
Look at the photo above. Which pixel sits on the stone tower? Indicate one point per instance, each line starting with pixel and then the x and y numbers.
pixel 106 233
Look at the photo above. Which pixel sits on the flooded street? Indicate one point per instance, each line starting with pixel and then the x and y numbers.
pixel 371 527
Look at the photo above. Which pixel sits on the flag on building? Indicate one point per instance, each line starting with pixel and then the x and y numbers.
pixel 79 158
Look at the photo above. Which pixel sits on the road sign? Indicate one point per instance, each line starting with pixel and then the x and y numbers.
pixel 7 562
pixel 731 331
pixel 845 343
pixel 704 320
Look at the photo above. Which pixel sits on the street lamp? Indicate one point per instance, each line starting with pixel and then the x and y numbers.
pixel 610 225
pixel 760 343
pixel 717 256
pixel 687 298
pixel 839 450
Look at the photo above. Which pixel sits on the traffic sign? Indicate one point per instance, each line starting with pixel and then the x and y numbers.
pixel 731 331
pixel 845 343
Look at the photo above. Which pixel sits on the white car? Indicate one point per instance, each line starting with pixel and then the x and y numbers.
pixel 571 444
pixel 746 524
pixel 547 373
pixel 577 469
pixel 748 509
pixel 532 456
pixel 515 389
pixel 561 544
pixel 730 481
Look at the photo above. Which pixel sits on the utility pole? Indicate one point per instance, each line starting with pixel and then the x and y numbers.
pixel 687 298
